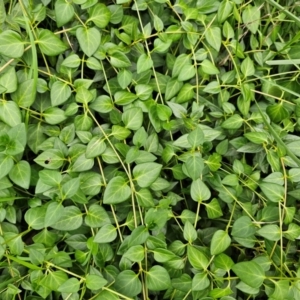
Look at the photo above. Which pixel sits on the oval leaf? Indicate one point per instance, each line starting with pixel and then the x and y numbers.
pixel 220 242
pixel 146 173
pixel 250 273
pixel 89 39
pixel 117 191
pixel 158 279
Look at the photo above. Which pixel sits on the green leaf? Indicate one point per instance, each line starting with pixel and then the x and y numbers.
pixel 94 64
pixel 140 137
pixel 10 113
pixel 156 219
pixel 23 95
pixel 234 122
pixel 119 60
pixel 14 242
pixel 293 232
pixel 243 227
pixel 119 132
pixel 60 93
pixel 212 88
pixel 82 164
pixel 18 133
pixel 11 146
pixel 163 255
pixel 182 283
pixel 109 156
pixel 144 198
pixel 277 112
pixel 196 137
pixel 200 54
pixel 144 63
pixel 228 31
pixel 250 273
pixel 70 188
pixel 116 191
pixel 50 44
pixel 151 144
pixel 294 147
pixel 282 289
pixel 89 39
pixel 223 261
pixel 11 44
pixel 127 283
pixel 35 217
pixel 199 191
pixel 71 219
pixel 20 174
pixel 11 214
pixel 213 37
pixel 64 12
pixel 187 72
pixel 180 62
pixel 54 115
pixel 135 253
pixel 138 236
pixel 124 98
pixel 197 258
pixel 294 174
pixel 209 68
pixel 35 136
pixel 158 279
pixel 257 137
pixel 124 78
pixel 67 134
pixel 102 104
pixel 194 166
pixel 95 282
pixel 143 91
pixel 224 10
pixel 163 112
pixel 172 89
pixel 6 164
pixel 270 232
pixel 95 147
pixel 81 86
pixel 213 209
pixel 220 242
pixel 116 13
pixel 72 285
pixel 189 232
pixel 251 17
pixel 247 67
pixel 222 293
pixel 96 216
pixel 146 173
pixel 160 46
pixel 50 177
pixel 99 15
pixel 54 213
pixel 106 234
pixel 133 118
pixel 158 23
pixel 8 80
pixel 246 288
pixel 200 282
pixel 106 294
pixel 273 191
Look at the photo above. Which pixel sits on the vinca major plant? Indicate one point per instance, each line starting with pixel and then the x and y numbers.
pixel 149 149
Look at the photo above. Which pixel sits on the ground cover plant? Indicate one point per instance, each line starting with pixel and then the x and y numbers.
pixel 149 149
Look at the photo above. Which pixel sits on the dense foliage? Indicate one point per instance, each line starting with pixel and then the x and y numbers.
pixel 149 149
